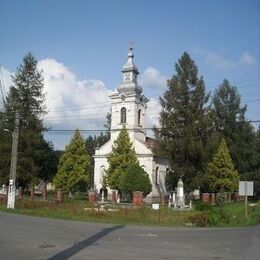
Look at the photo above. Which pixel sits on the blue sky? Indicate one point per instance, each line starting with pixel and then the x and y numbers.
pixel 86 42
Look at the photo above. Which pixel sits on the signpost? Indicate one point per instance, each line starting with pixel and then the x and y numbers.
pixel 246 188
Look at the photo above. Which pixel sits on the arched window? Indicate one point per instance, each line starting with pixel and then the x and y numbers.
pixel 102 174
pixel 139 116
pixel 157 175
pixel 123 115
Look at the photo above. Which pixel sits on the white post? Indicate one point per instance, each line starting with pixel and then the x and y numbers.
pixel 246 215
pixel 102 195
pixel 180 194
pixel 169 200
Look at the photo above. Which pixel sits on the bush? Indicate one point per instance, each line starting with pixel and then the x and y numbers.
pixel 200 219
pixel 202 206
pixel 214 217
pixel 221 199
pixel 135 179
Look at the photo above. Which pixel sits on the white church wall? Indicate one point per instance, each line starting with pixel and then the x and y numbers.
pixel 100 164
pixel 104 149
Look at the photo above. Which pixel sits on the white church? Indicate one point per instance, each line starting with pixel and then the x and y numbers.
pixel 129 109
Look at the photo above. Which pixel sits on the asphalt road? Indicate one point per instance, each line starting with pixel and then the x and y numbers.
pixel 25 237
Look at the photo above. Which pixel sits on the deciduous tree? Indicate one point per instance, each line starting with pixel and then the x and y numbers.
pixel 134 178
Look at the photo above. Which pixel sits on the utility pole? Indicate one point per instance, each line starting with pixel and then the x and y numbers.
pixel 12 179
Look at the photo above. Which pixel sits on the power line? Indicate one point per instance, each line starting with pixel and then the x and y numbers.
pixel 250 101
pixel 114 130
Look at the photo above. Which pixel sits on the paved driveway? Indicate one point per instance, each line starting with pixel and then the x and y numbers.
pixel 25 237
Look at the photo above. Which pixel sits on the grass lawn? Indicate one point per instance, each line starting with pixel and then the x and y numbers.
pixel 230 214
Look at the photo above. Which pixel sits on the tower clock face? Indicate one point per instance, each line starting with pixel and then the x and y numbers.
pixel 127 76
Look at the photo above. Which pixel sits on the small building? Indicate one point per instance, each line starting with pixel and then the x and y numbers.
pixel 129 109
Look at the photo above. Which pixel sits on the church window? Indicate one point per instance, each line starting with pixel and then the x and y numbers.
pixel 123 115
pixel 157 175
pixel 139 116
pixel 102 174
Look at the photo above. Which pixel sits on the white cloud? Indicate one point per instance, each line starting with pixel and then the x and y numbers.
pixel 247 59
pixel 152 80
pixel 72 103
pixel 152 114
pixel 69 99
pixel 154 84
pixel 6 81
pixel 219 60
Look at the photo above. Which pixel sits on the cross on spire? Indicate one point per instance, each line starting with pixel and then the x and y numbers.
pixel 131 45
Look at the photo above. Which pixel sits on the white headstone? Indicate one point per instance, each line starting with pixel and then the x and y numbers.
pixel 155 206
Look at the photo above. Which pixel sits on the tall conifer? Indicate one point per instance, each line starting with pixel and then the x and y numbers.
pixel 221 174
pixel 186 124
pixel 121 156
pixel 231 123
pixel 73 169
pixel 26 96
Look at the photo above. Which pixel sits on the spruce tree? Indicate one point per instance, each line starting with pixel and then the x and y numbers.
pixel 73 169
pixel 121 156
pixel 5 150
pixel 26 97
pixel 186 123
pixel 231 123
pixel 221 174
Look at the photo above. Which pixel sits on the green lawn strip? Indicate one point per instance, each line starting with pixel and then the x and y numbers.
pixel 229 215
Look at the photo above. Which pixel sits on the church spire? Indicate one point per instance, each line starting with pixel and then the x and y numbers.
pixel 130 72
pixel 130 66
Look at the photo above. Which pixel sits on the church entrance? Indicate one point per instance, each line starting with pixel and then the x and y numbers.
pixel 104 191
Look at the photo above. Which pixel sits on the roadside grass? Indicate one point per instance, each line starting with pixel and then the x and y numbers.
pixel 231 214
pixel 228 215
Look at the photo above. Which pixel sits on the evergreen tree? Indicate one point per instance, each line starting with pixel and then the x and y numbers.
pixel 48 160
pixel 134 178
pixel 231 123
pixel 254 173
pixel 107 125
pixel 73 169
pixel 26 96
pixel 187 124
pixel 5 150
pixel 221 174
pixel 121 156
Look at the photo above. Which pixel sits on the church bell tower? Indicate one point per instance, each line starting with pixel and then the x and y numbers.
pixel 128 103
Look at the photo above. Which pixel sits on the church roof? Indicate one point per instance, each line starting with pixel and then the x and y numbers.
pixel 130 85
pixel 130 66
